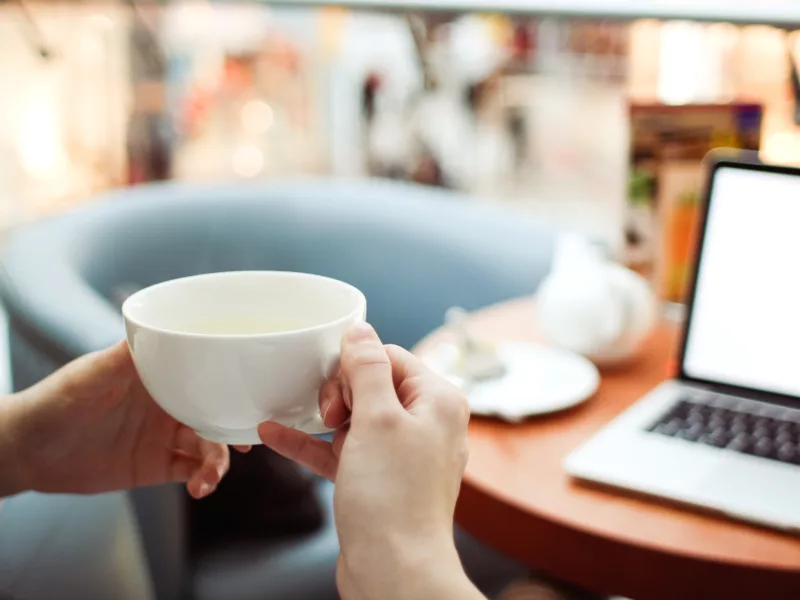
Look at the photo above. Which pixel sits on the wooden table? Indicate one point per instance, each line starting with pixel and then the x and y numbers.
pixel 517 498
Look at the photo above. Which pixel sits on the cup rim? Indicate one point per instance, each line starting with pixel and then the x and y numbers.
pixel 353 315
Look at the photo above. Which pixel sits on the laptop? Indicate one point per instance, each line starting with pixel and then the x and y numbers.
pixel 724 435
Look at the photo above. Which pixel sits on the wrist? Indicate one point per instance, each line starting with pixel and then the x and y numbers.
pixel 419 569
pixel 12 470
pixel 437 579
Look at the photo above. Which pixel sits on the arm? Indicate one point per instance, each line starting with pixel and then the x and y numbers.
pixel 438 575
pixel 399 567
pixel 11 472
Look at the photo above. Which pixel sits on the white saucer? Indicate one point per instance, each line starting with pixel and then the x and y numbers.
pixel 539 380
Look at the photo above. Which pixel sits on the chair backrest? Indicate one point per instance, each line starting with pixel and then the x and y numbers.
pixel 413 251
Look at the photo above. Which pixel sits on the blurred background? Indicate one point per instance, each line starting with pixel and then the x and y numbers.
pixel 527 111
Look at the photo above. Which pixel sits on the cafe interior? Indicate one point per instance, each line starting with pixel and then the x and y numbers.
pixel 523 182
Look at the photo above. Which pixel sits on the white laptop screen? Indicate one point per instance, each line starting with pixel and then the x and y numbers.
pixel 745 324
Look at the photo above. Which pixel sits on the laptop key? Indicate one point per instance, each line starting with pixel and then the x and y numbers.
pixel 762 432
pixel 762 427
pixel 718 439
pixel 692 433
pixel 738 426
pixel 660 428
pixel 682 408
pixel 763 447
pixel 716 422
pixel 695 418
pixel 787 452
pixel 740 443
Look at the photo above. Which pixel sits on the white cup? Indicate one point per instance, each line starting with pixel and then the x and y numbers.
pixel 223 352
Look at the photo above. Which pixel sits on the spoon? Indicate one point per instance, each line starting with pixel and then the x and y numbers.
pixel 478 361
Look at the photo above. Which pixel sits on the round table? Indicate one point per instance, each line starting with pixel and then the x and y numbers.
pixel 517 498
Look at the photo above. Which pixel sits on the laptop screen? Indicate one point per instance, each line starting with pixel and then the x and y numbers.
pixel 745 323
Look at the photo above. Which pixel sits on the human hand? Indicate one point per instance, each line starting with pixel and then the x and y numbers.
pixel 397 464
pixel 92 427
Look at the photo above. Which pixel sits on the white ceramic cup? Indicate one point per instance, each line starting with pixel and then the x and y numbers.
pixel 224 352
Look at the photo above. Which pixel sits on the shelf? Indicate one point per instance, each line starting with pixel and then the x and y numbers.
pixel 779 13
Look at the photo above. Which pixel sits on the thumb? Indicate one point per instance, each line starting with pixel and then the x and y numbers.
pixel 366 371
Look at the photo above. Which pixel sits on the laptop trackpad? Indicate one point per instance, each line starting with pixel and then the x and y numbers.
pixel 751 490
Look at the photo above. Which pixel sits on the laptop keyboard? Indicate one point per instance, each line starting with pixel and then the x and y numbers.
pixel 726 427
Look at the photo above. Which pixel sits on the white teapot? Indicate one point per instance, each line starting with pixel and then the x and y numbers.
pixel 593 306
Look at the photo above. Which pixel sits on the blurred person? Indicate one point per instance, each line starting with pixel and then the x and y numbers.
pixel 428 171
pixel 150 131
pixel 369 94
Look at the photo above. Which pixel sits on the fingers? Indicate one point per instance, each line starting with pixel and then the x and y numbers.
pixel 332 405
pixel 186 440
pixel 98 371
pixel 200 463
pixel 338 440
pixel 182 468
pixel 405 365
pixel 412 379
pixel 312 453
pixel 115 359
pixel 201 479
pixel 243 449
pixel 366 372
pixel 418 388
pixel 112 357
pixel 335 408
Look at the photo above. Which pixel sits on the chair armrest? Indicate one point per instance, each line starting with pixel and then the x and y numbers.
pixel 73 547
